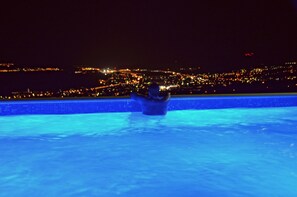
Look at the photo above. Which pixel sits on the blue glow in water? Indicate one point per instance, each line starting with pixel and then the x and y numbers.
pixel 222 152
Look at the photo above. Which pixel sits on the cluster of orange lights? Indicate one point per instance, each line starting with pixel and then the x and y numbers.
pixel 248 54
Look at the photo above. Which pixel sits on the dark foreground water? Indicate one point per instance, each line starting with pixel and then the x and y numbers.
pixel 191 153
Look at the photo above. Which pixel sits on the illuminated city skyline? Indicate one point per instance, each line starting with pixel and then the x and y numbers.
pixel 88 81
pixel 99 48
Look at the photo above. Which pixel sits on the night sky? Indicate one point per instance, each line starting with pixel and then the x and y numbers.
pixel 211 34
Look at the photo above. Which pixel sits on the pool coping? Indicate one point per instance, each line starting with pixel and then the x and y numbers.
pixel 172 96
pixel 125 104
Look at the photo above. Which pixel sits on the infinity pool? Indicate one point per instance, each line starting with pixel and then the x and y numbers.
pixel 188 153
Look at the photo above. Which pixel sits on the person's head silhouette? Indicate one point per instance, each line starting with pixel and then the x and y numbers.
pixel 154 90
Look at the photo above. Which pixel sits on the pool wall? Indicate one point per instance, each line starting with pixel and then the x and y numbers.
pixel 127 105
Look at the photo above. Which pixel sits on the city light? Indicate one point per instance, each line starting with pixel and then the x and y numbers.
pixel 120 82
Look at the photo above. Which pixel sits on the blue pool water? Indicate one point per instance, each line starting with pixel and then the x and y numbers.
pixel 188 153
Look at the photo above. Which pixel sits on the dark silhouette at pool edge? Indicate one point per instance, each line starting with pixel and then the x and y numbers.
pixel 154 103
